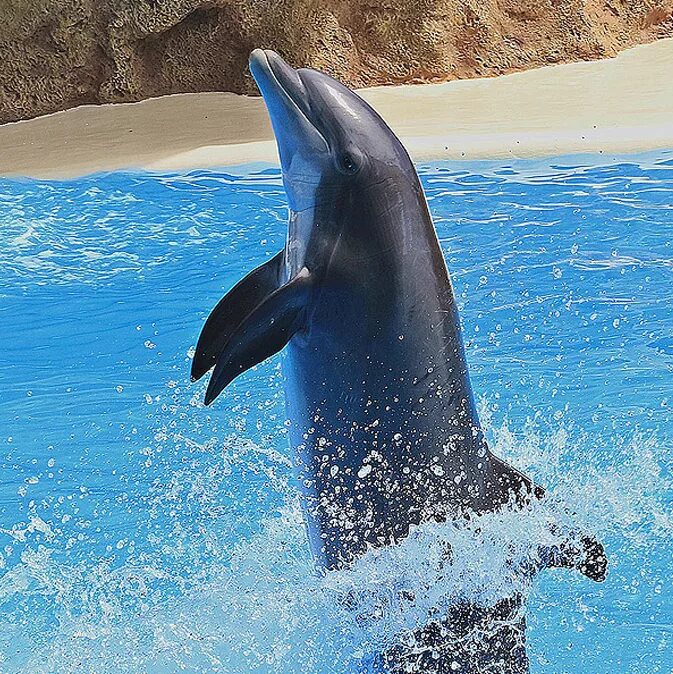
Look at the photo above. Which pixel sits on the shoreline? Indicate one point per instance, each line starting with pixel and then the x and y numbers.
pixel 619 105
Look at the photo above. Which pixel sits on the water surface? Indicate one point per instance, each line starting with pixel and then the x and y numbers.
pixel 142 532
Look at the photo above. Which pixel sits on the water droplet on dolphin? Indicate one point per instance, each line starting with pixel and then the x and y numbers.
pixel 364 471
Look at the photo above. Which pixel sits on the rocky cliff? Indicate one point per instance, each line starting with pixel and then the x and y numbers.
pixel 56 54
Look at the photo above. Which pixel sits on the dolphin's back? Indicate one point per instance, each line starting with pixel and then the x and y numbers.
pixel 379 396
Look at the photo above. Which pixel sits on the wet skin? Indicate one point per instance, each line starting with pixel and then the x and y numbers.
pixel 383 419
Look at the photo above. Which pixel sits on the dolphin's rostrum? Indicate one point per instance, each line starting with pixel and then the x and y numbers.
pixel 382 413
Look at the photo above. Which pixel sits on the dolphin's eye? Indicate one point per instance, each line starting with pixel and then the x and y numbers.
pixel 348 163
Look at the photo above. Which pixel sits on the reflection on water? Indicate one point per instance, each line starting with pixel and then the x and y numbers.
pixel 141 532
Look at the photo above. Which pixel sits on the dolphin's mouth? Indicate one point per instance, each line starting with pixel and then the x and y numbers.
pixel 285 95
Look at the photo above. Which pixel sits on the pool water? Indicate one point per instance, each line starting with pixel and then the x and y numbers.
pixel 142 532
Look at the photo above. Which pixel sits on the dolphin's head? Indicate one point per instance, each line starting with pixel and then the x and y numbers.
pixel 327 135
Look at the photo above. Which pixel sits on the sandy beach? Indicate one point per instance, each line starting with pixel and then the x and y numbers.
pixel 617 105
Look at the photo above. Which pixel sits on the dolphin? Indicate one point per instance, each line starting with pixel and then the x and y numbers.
pixel 382 414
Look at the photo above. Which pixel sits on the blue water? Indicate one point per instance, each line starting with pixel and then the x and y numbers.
pixel 141 532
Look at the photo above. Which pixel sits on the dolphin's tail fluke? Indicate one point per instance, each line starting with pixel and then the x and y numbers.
pixel 578 550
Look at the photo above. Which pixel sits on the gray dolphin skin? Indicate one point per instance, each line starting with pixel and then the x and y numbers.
pixel 382 414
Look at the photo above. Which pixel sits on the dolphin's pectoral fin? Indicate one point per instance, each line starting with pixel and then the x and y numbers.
pixel 264 332
pixel 232 310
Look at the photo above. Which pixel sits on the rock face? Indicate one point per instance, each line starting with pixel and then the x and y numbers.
pixel 56 54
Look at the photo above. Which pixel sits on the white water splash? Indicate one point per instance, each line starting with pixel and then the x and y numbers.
pixel 266 609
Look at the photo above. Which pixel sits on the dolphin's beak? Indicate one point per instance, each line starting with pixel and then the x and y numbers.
pixel 288 104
